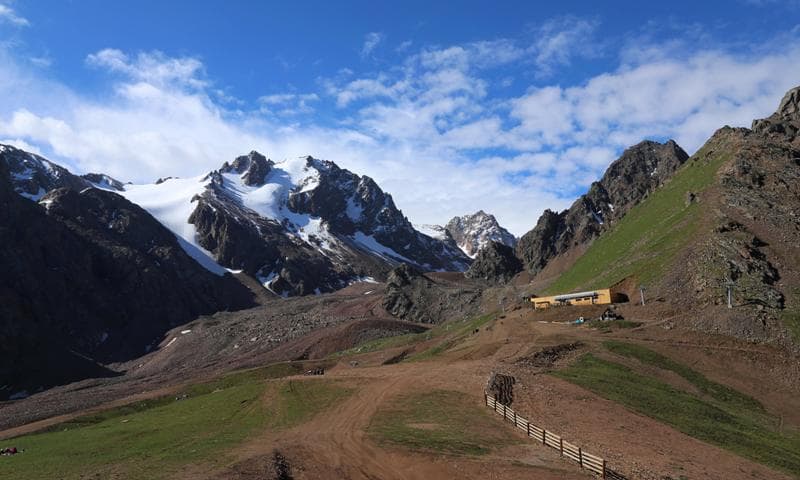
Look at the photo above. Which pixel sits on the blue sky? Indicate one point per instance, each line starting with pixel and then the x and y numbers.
pixel 511 107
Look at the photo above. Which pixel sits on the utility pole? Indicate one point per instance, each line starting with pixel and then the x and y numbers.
pixel 729 285
pixel 642 288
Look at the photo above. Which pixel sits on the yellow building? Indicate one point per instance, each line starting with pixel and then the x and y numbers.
pixel 603 296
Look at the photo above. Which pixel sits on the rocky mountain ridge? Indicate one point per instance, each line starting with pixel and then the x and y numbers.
pixel 300 226
pixel 627 181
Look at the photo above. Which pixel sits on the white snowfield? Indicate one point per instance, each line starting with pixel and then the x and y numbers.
pixel 171 204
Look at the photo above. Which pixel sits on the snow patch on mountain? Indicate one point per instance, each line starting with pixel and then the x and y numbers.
pixel 434 231
pixel 369 243
pixel 170 202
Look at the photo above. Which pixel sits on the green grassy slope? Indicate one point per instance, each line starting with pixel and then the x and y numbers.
pixel 454 331
pixel 157 438
pixel 719 415
pixel 647 238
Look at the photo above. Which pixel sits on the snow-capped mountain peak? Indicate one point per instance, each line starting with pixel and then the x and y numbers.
pixel 474 232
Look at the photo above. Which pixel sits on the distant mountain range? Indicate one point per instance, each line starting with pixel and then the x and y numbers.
pixel 299 226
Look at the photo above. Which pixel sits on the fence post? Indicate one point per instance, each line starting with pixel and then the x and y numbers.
pixel 495 405
pixel 580 457
pixel 529 428
pixel 505 409
pixel 604 468
pixel 515 418
pixel 544 435
pixel 561 445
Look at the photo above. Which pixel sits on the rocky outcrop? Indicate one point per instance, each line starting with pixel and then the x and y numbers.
pixel 495 263
pixel 474 232
pixel 785 122
pixel 411 295
pixel 627 181
pixel 88 276
pixel 253 168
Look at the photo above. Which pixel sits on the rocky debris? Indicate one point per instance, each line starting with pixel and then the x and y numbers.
pixel 475 232
pixel 91 277
pixel 627 181
pixel 411 295
pixel 610 314
pixel 495 263
pixel 282 470
pixel 548 356
pixel 501 387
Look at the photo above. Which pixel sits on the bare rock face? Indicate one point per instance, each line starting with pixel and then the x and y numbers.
pixel 495 263
pixel 253 167
pixel 785 122
pixel 627 181
pixel 411 295
pixel 474 232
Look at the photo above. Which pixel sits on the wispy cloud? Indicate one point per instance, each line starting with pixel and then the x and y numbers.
pixel 371 41
pixel 288 104
pixel 560 40
pixel 153 67
pixel 7 14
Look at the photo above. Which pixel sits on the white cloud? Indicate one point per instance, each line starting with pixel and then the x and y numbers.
pixel 7 14
pixel 371 41
pixel 431 130
pixel 152 67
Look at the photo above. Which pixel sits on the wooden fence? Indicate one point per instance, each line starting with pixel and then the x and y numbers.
pixel 573 452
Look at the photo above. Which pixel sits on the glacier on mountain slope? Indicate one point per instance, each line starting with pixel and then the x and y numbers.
pixel 170 202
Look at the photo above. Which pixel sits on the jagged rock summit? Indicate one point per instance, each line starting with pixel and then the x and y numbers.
pixel 474 232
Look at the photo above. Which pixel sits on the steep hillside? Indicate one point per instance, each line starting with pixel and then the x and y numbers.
pixel 91 277
pixel 728 217
pixel 638 172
